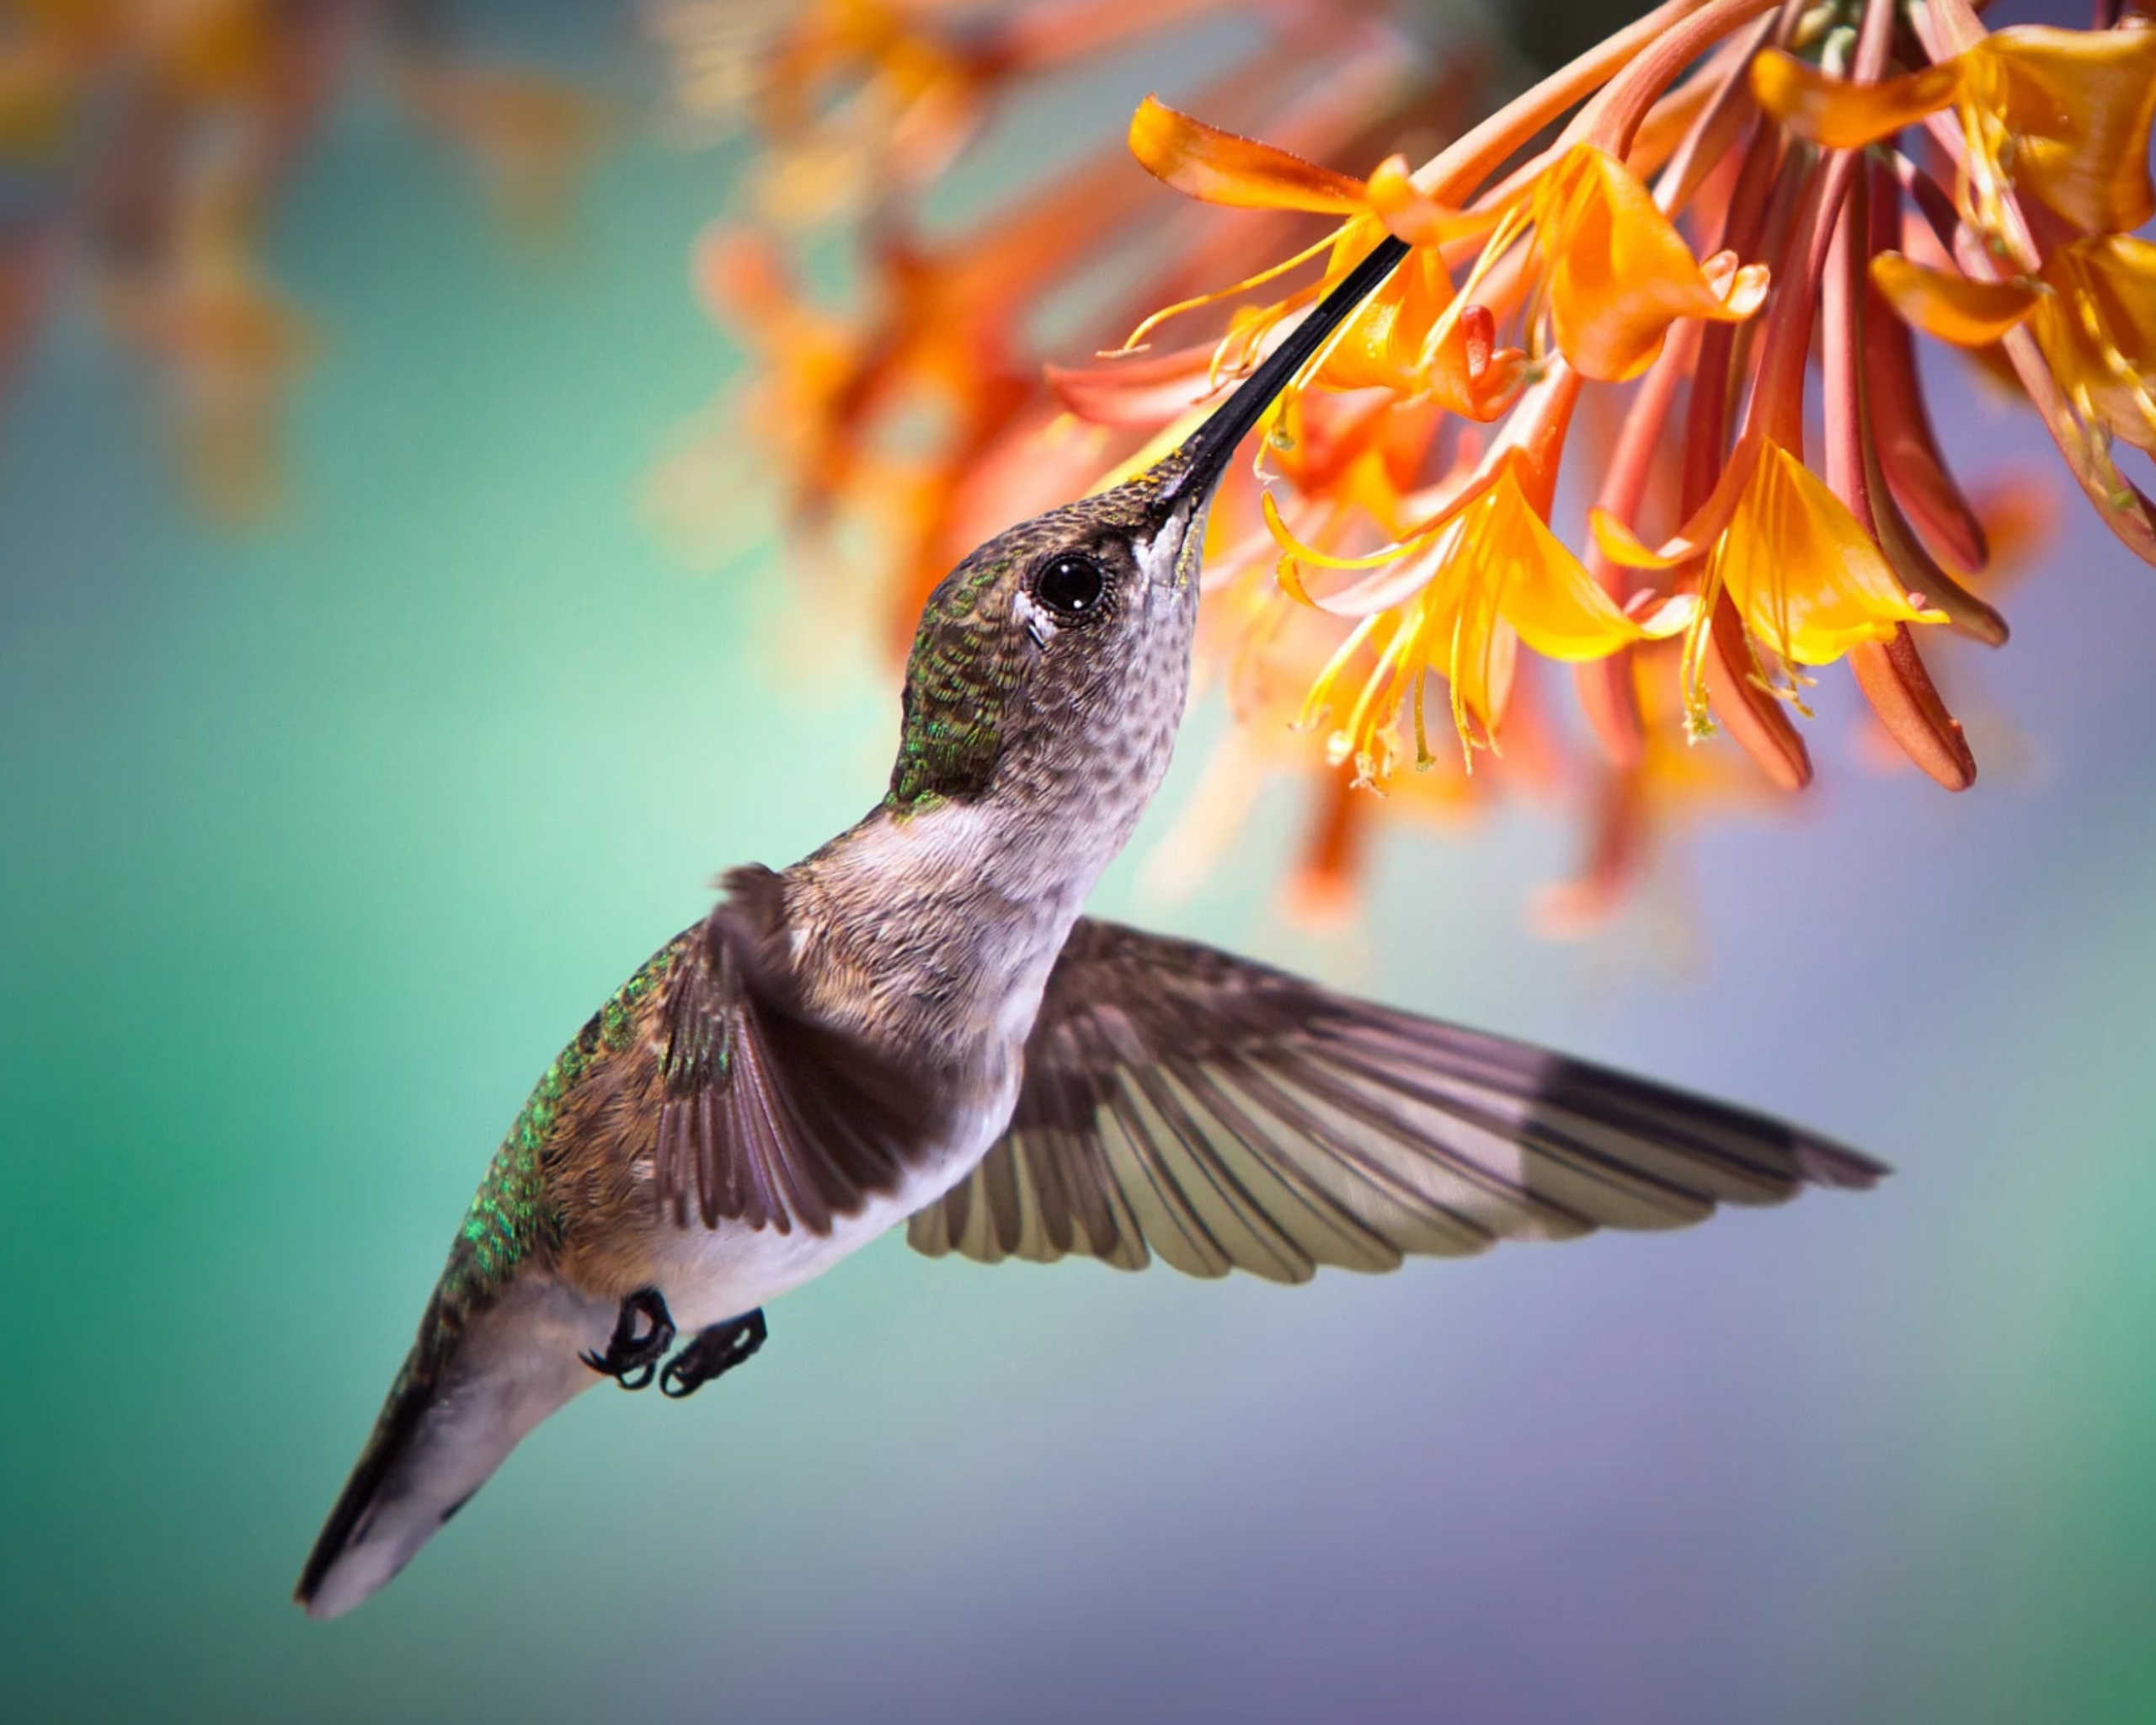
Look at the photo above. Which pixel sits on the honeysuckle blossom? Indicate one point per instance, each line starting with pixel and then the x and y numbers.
pixel 1409 337
pixel 2063 115
pixel 1618 273
pixel 1808 581
pixel 1687 267
pixel 2091 308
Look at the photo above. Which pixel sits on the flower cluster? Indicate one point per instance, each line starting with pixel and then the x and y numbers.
pixel 146 144
pixel 1693 261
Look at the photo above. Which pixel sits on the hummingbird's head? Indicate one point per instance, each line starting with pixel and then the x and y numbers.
pixel 1041 649
pixel 1058 652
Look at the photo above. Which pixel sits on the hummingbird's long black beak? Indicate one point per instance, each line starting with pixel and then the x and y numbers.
pixel 1196 466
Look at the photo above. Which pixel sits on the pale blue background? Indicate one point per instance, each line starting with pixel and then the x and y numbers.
pixel 316 846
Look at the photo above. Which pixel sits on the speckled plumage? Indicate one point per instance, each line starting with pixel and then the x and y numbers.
pixel 811 1063
pixel 913 1022
pixel 513 1215
pixel 878 994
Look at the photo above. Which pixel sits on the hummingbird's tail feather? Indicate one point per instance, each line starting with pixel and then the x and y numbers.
pixel 467 1395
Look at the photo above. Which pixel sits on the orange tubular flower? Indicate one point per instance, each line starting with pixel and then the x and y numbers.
pixel 1480 577
pixel 2062 115
pixel 1411 337
pixel 2092 309
pixel 1807 580
pixel 1694 235
pixel 1618 272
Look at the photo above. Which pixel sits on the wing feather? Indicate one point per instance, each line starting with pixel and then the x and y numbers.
pixel 1181 1102
pixel 769 1117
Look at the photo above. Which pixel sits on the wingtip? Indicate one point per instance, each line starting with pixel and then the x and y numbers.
pixel 1823 1163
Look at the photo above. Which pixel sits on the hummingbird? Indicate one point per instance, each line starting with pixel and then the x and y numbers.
pixel 916 1024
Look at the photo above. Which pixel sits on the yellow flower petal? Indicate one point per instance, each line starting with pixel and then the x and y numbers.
pixel 1844 115
pixel 1950 306
pixel 1202 162
pixel 1807 580
pixel 1618 272
pixel 2062 115
pixel 2097 331
pixel 1393 197
pixel 1543 591
pixel 2079 104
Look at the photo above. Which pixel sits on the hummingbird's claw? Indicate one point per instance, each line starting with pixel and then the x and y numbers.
pixel 631 1359
pixel 712 1354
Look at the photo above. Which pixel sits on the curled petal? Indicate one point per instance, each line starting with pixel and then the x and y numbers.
pixel 1843 115
pixel 1618 272
pixel 1948 305
pixel 2079 104
pixel 1546 592
pixel 1380 346
pixel 1410 214
pixel 1202 162
pixel 1147 391
pixel 2097 331
pixel 1908 450
pixel 1806 577
pixel 1466 373
pixel 1697 536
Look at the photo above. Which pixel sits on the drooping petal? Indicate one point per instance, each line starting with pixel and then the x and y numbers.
pixel 1147 391
pixel 2079 104
pixel 1544 591
pixel 1948 305
pixel 1843 115
pixel 1697 536
pixel 2097 331
pixel 1402 341
pixel 1806 577
pixel 1218 167
pixel 1465 372
pixel 1618 272
pixel 1410 214
pixel 1380 346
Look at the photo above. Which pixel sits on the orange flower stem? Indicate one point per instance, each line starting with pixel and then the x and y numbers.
pixel 1454 174
pixel 1614 115
pixel 1907 449
pixel 1706 427
pixel 1536 432
pixel 1892 677
pixel 1955 24
pixel 1778 397
pixel 1753 716
pixel 1933 203
pixel 1714 128
pixel 1901 691
pixel 1608 689
pixel 1672 117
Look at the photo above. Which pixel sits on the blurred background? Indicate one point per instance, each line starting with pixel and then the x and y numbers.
pixel 332 803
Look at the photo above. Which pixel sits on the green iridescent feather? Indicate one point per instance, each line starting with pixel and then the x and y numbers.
pixel 960 670
pixel 509 1218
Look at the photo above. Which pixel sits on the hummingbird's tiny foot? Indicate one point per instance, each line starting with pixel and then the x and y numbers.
pixel 713 1354
pixel 631 1359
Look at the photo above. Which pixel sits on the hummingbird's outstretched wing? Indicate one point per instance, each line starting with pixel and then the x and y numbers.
pixel 767 1117
pixel 1182 1100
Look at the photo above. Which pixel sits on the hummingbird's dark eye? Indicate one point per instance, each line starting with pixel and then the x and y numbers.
pixel 1071 586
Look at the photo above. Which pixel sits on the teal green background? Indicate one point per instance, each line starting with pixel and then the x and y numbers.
pixel 315 847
